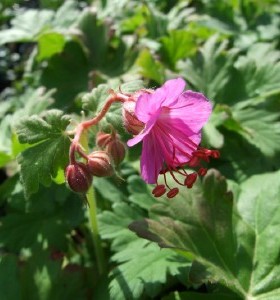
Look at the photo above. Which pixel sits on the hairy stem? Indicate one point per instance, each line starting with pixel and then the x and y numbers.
pixel 92 207
pixel 82 127
pixel 95 233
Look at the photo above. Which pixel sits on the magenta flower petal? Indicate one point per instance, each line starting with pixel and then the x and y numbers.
pixel 173 121
pixel 173 89
pixel 192 108
pixel 148 104
pixel 139 137
pixel 151 159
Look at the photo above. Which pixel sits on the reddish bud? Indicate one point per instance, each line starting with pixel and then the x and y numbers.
pixel 131 123
pixel 172 193
pixel 159 190
pixel 116 149
pixel 190 180
pixel 99 164
pixel 102 139
pixel 78 177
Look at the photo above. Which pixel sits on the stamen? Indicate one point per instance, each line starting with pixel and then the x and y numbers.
pixel 159 190
pixel 175 179
pixel 172 193
pixel 165 181
pixel 190 180
pixel 202 171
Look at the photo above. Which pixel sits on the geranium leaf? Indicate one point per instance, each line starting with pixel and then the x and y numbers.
pixel 145 270
pixel 233 242
pixel 177 45
pixel 41 162
pixel 136 258
pixel 209 71
pixel 150 68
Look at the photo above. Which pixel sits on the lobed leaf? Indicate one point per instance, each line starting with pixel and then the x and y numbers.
pixel 41 162
pixel 232 242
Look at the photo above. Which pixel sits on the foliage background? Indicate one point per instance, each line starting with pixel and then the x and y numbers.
pixel 58 58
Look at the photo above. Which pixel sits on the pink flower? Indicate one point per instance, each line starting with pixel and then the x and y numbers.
pixel 173 120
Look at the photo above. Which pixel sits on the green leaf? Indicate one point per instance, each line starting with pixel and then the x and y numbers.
pixel 96 35
pixel 23 28
pixel 260 72
pixel 67 72
pixel 260 127
pixel 200 296
pixel 177 45
pixel 50 125
pixel 41 162
pixel 43 277
pixel 145 270
pixel 9 281
pixel 204 220
pixel 39 220
pixel 209 71
pixel 28 103
pixel 139 192
pixel 149 67
pixel 50 43
pixel 114 225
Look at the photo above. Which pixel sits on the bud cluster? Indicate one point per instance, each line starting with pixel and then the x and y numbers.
pixel 99 163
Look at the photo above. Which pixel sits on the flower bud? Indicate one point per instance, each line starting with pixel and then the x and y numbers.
pixel 116 149
pixel 131 122
pixel 78 177
pixel 99 164
pixel 102 139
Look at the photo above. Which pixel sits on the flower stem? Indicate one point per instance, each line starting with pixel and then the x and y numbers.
pixel 95 233
pixel 92 207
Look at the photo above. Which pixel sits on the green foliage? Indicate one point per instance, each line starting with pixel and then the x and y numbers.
pixel 67 56
pixel 204 220
pixel 41 162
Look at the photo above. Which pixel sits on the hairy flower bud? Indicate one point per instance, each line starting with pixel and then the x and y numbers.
pixel 116 150
pixel 99 164
pixel 102 139
pixel 131 123
pixel 78 177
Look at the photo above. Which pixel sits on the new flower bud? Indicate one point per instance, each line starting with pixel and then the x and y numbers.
pixel 99 164
pixel 131 123
pixel 78 177
pixel 116 150
pixel 102 139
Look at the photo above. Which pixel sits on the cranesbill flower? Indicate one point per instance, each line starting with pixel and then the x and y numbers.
pixel 172 119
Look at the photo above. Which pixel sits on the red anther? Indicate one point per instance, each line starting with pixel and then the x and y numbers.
pixel 215 154
pixel 202 171
pixel 159 190
pixel 193 162
pixel 172 193
pixel 190 180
